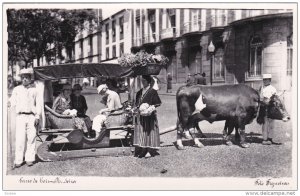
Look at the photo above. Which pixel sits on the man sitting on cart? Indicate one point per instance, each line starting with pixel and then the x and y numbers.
pixel 113 102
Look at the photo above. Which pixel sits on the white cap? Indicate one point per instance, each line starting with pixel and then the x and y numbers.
pixel 101 87
pixel 267 76
pixel 26 71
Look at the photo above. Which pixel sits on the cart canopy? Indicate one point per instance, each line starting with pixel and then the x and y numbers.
pixel 80 70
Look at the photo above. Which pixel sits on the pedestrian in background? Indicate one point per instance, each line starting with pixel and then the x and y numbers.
pixel 203 79
pixel 169 83
pixel 200 79
pixel 197 78
pixel 27 118
pixel 85 82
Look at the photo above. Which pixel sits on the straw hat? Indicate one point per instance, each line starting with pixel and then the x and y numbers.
pixel 28 71
pixel 101 88
pixel 267 76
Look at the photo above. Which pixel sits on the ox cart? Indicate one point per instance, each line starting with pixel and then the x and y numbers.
pixel 60 139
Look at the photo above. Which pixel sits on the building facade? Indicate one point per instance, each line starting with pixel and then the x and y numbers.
pixel 247 43
pixel 116 34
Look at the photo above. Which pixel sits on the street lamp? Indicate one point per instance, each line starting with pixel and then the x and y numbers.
pixel 211 50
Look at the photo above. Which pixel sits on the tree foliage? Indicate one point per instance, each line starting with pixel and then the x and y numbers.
pixel 34 33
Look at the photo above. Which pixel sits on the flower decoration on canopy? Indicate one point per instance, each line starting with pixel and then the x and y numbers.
pixel 142 58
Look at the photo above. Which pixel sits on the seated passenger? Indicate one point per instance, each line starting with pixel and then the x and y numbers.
pixel 78 103
pixel 113 102
pixel 62 105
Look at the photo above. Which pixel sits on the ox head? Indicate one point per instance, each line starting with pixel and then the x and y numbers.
pixel 276 109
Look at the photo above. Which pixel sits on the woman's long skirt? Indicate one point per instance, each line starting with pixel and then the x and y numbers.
pixel 147 134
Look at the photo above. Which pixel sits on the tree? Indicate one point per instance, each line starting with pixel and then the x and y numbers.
pixel 34 33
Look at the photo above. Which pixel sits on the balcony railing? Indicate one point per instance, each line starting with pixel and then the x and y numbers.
pixel 149 38
pixel 168 33
pixel 191 27
pixel 137 42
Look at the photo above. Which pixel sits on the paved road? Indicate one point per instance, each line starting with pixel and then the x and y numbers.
pixel 215 159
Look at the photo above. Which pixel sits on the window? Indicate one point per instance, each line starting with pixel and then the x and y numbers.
pixel 90 45
pixel 81 48
pixel 107 33
pixel 114 52
pixel 246 13
pixel 221 17
pixel 70 52
pixel 121 23
pixel 208 19
pixel 196 17
pixel 255 65
pixel 231 15
pixel 121 49
pixel 173 20
pixel 137 13
pixel 152 17
pixel 138 33
pixel 172 12
pixel 218 68
pixel 107 53
pixel 113 29
pixel 152 26
pixel 289 54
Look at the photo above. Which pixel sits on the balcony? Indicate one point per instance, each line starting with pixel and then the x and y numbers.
pixel 137 42
pixel 168 33
pixel 149 38
pixel 189 27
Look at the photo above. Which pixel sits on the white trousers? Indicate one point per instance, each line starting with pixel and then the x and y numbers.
pixel 25 138
pixel 98 122
pixel 268 129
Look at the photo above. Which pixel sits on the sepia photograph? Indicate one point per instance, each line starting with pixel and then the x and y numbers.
pixel 150 96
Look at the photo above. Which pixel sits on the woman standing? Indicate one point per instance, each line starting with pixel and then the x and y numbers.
pixel 146 139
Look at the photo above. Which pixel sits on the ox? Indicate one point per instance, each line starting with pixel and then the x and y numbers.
pixel 237 104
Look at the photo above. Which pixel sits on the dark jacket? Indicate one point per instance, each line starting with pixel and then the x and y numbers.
pixel 79 103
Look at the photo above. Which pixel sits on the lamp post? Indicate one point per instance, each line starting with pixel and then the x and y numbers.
pixel 211 50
